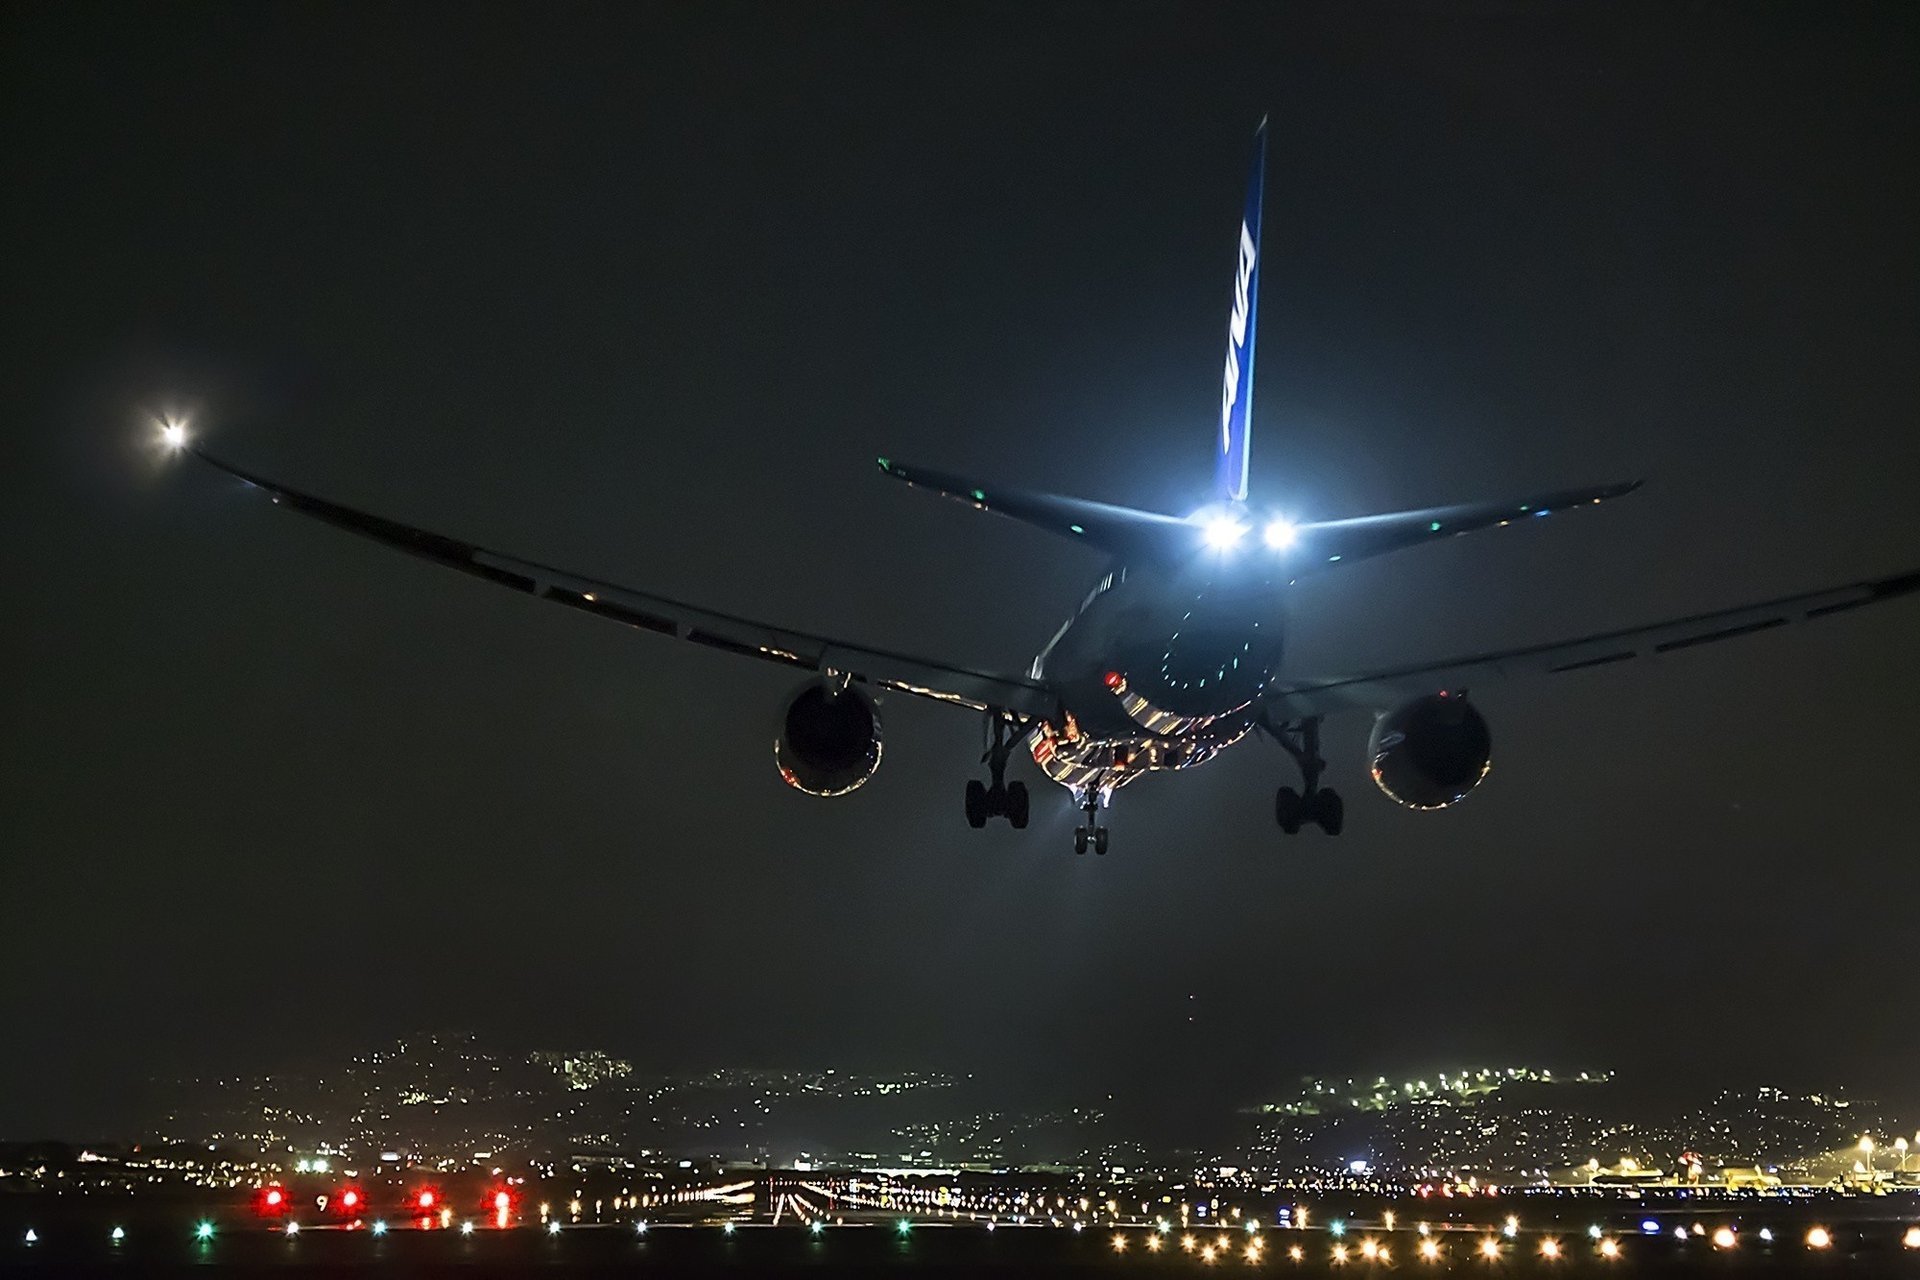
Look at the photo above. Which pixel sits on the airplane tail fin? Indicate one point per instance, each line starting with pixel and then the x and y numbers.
pixel 1236 396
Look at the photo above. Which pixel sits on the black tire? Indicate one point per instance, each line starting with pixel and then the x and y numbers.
pixel 1100 841
pixel 1018 804
pixel 976 803
pixel 1079 839
pixel 1287 810
pixel 1330 811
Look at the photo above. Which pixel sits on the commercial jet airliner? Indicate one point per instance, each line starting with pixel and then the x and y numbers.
pixel 1176 654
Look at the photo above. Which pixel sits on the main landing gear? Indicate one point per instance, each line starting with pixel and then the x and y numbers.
pixel 1313 803
pixel 1091 830
pixel 1000 798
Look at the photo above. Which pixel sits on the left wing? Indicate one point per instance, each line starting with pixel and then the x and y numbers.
pixel 928 678
pixel 1381 690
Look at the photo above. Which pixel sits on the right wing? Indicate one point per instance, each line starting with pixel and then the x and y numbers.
pixel 1381 690
pixel 927 678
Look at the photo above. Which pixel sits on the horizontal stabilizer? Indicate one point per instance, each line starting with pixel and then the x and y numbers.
pixel 1126 532
pixel 1323 542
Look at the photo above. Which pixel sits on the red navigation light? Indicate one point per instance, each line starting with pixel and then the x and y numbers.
pixel 1113 680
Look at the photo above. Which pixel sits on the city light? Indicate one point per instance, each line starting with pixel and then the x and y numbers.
pixel 1430 1250
pixel 1188 1243
pixel 1490 1248
pixel 1369 1250
pixel 1550 1248
pixel 1153 1244
pixel 1296 1253
pixel 1340 1255
pixel 1819 1238
pixel 1119 1243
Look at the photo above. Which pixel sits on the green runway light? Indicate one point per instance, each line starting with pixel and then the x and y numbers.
pixel 203 1232
pixel 380 1228
pixel 119 1234
pixel 905 1226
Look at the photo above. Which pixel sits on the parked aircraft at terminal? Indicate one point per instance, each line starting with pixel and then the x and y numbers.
pixel 1176 654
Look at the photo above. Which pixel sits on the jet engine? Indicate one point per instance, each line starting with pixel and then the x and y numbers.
pixel 1428 753
pixel 829 741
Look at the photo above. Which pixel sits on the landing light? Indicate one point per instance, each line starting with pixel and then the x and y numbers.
pixel 1280 534
pixel 1222 532
pixel 173 434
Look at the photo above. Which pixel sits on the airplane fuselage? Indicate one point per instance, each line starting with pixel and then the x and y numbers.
pixel 1157 670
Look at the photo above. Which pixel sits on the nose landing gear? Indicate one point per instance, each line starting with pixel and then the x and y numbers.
pixel 999 798
pixel 1313 803
pixel 1091 831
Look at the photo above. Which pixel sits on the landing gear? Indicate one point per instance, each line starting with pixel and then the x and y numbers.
pixel 1313 803
pixel 1000 798
pixel 1091 831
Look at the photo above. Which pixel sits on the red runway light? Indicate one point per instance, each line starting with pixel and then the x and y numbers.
pixel 424 1199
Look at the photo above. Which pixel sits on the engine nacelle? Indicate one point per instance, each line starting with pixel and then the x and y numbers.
pixel 829 741
pixel 1428 753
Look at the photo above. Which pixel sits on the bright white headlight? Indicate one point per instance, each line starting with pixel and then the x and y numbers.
pixel 1223 532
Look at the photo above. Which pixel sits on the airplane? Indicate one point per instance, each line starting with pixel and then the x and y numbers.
pixel 1175 655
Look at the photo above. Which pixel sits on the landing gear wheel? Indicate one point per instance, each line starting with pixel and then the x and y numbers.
pixel 1079 839
pixel 1100 840
pixel 976 803
pixel 1017 810
pixel 1287 808
pixel 1329 810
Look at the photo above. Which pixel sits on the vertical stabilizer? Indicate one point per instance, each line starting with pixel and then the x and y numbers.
pixel 1236 396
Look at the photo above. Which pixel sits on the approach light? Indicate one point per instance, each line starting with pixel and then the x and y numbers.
pixel 1222 532
pixel 1280 534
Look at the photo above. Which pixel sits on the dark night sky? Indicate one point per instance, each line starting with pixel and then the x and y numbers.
pixel 642 291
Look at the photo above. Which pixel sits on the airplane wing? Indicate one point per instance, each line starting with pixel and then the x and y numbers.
pixel 927 678
pixel 1381 690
